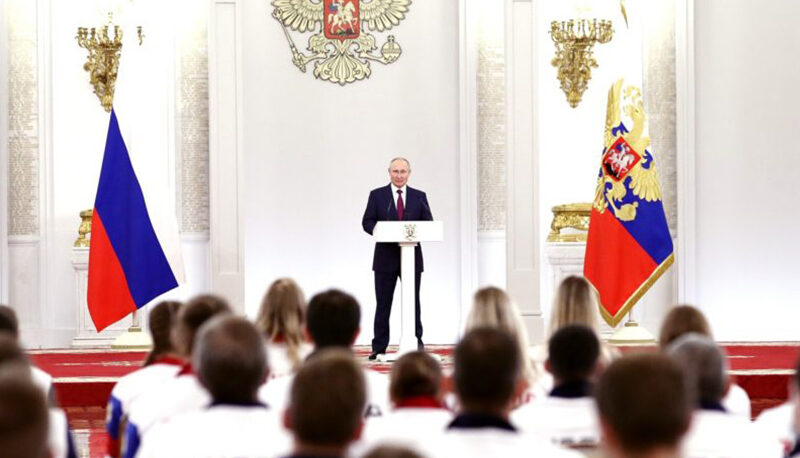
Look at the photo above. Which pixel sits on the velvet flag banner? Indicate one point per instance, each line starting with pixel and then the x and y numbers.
pixel 629 245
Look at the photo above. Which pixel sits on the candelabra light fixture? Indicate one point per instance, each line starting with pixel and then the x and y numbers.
pixel 102 61
pixel 574 40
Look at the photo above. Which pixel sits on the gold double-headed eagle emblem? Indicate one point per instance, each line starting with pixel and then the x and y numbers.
pixel 339 47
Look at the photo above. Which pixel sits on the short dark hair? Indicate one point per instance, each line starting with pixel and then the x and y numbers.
pixel 703 365
pixel 487 368
pixel 415 374
pixel 333 318
pixel 23 414
pixel 8 321
pixel 392 451
pixel 191 316
pixel 230 360
pixel 572 353
pixel 327 399
pixel 10 352
pixel 161 320
pixel 644 400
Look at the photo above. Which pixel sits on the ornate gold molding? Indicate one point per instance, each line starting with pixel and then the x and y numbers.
pixel 84 229
pixel 574 40
pixel 570 216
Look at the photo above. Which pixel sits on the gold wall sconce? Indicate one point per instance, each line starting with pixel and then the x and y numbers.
pixel 103 59
pixel 574 40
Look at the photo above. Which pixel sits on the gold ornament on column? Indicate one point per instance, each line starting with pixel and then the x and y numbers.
pixel 84 229
pixel 103 59
pixel 574 40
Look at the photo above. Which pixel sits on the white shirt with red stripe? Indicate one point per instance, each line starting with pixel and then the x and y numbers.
pixel 219 431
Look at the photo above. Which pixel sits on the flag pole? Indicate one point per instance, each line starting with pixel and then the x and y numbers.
pixel 632 334
pixel 134 338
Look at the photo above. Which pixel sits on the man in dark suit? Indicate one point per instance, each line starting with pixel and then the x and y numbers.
pixel 394 202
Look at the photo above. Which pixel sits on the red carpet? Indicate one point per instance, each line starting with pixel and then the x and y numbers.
pixel 83 379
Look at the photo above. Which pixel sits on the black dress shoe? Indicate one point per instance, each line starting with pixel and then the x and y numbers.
pixel 373 356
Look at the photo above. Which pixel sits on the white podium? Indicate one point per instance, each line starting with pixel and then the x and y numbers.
pixel 407 234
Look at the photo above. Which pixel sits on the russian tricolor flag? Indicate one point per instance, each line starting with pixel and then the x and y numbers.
pixel 134 255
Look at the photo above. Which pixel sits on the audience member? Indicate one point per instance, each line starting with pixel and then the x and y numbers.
pixel 325 418
pixel 10 325
pixel 161 364
pixel 780 422
pixel 14 363
pixel 332 321
pixel 24 419
pixel 231 364
pixel 183 392
pixel 491 307
pixel 392 451
pixel 644 407
pixel 575 302
pixel 418 412
pixel 281 320
pixel 487 381
pixel 714 432
pixel 683 319
pixel 567 416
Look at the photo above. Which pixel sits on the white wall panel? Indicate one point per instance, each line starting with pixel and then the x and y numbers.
pixel 747 167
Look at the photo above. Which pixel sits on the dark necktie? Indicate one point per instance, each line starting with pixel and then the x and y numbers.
pixel 400 206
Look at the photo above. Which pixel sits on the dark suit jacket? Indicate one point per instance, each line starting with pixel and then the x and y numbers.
pixel 381 207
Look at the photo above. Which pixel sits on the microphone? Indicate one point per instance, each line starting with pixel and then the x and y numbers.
pixel 424 203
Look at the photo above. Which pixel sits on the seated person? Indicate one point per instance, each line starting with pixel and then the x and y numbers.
pixel 567 416
pixel 161 364
pixel 683 319
pixel 417 411
pixel 487 379
pixel 230 360
pixel 23 415
pixel 183 392
pixel 325 418
pixel 13 414
pixel 10 325
pixel 333 322
pixel 779 422
pixel 714 431
pixel 644 407
pixel 281 319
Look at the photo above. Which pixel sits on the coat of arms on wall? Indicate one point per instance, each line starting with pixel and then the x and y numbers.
pixel 340 47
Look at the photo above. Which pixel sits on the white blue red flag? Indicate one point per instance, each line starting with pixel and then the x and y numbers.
pixel 134 255
pixel 629 245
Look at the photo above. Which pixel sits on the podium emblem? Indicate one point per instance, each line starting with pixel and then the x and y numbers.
pixel 410 232
pixel 341 19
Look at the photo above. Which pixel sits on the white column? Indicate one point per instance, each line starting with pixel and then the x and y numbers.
pixel 523 245
pixel 225 152
pixel 3 153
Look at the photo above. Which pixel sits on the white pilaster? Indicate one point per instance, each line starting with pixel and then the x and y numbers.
pixel 522 243
pixel 225 151
pixel 686 165
pixel 3 153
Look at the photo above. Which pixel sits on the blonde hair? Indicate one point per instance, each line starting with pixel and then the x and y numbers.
pixel 575 303
pixel 491 307
pixel 282 314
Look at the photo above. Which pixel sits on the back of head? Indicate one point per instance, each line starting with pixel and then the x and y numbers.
pixel 333 319
pixel 162 320
pixel 703 365
pixel 643 400
pixel 229 359
pixel 392 451
pixel 573 352
pixel 415 374
pixel 327 399
pixel 191 316
pixel 8 321
pixel 282 315
pixel 23 415
pixel 682 319
pixel 10 353
pixel 575 303
pixel 487 368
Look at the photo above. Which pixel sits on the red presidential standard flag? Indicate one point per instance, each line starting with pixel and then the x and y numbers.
pixel 629 246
